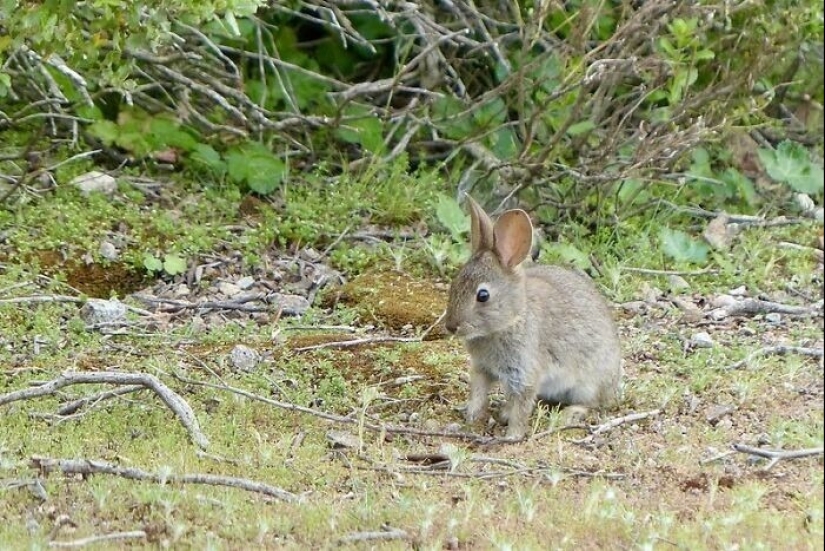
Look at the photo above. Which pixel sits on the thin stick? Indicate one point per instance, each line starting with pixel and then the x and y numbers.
pixel 91 466
pixel 384 535
pixel 617 422
pixel 115 536
pixel 776 456
pixel 650 271
pixel 779 350
pixel 357 342
pixel 394 429
pixel 177 404
pixel 755 306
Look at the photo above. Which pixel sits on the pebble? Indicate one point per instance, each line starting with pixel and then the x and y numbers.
pixel 95 181
pixel 291 305
pixel 245 282
pixel 97 310
pixel 773 317
pixel 228 289
pixel 244 358
pixel 701 340
pixel 182 290
pixel 108 251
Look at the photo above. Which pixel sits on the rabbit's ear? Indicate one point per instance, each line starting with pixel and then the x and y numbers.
pixel 513 234
pixel 481 227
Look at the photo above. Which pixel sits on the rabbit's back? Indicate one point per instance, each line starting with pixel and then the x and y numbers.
pixel 575 331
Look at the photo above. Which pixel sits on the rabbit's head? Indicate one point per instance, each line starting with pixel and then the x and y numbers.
pixel 488 294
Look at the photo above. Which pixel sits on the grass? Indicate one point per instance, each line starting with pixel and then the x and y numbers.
pixel 643 485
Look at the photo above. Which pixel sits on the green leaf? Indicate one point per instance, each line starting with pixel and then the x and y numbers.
pixel 205 155
pixel 789 163
pixel 152 263
pixel 681 247
pixel 580 128
pixel 168 133
pixel 451 216
pixel 741 185
pixel 105 130
pixel 173 264
pixel 569 254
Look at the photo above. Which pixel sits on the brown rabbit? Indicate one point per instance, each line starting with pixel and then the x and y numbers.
pixel 541 331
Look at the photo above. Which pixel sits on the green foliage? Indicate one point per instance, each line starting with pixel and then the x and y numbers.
pixel 452 217
pixel 679 246
pixel 171 264
pixel 791 164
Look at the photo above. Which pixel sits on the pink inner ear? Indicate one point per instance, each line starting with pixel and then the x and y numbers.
pixel 513 234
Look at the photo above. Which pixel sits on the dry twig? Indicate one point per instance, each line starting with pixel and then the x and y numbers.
pixel 775 456
pixel 617 422
pixel 780 350
pixel 90 467
pixel 103 538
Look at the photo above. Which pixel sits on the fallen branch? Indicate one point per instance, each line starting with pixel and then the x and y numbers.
pixel 778 350
pixel 89 467
pixel 116 536
pixel 776 456
pixel 177 404
pixel 240 304
pixel 72 407
pixel 755 306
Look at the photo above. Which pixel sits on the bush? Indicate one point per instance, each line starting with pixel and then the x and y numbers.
pixel 565 99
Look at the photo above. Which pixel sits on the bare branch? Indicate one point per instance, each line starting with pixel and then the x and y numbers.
pixel 779 350
pixel 177 404
pixel 91 466
pixel 775 456
pixel 104 538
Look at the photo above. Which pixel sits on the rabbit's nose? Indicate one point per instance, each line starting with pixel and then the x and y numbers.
pixel 451 327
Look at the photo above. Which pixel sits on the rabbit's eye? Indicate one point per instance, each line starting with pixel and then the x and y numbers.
pixel 483 295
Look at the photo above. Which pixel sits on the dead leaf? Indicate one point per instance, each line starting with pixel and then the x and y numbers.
pixel 719 233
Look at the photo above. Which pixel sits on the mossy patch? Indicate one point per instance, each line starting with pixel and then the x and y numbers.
pixel 396 301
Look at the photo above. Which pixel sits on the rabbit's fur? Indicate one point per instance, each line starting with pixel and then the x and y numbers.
pixel 543 332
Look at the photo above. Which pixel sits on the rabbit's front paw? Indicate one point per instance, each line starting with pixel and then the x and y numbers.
pixel 475 411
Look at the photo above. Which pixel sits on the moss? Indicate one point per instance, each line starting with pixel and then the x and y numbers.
pixel 396 301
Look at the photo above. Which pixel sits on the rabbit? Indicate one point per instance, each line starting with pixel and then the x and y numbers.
pixel 543 332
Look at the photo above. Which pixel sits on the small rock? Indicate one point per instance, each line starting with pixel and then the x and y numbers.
pixel 244 358
pixel 773 317
pixel 108 251
pixel 701 340
pixel 431 425
pixel 182 290
pixel 95 181
pixel 677 283
pixel 197 325
pixel 414 417
pixel 339 439
pixel 740 291
pixel 96 311
pixel 746 331
pixel 715 413
pixel 228 289
pixel 290 305
pixel 718 234
pixel 245 282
